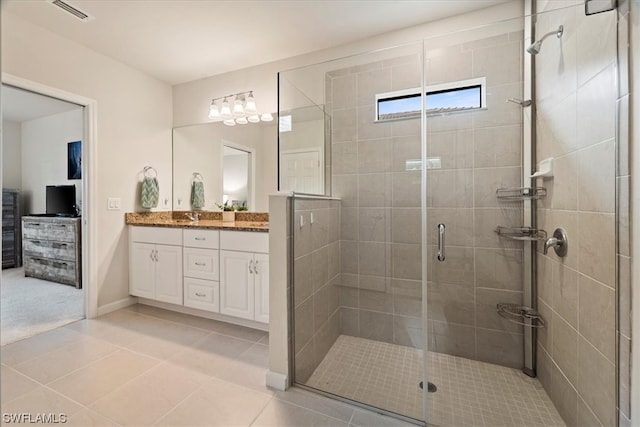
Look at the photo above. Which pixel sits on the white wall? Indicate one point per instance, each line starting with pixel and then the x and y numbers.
pixel 191 100
pixel 11 155
pixel 44 156
pixel 133 130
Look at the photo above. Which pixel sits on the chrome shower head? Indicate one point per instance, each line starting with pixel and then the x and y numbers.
pixel 534 49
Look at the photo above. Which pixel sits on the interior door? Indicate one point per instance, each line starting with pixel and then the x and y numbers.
pixel 301 172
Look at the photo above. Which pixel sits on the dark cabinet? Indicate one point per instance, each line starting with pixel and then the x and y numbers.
pixel 11 237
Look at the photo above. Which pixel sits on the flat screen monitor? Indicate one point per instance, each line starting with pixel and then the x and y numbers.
pixel 61 199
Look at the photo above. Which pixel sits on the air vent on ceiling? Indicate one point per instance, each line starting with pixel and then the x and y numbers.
pixel 83 16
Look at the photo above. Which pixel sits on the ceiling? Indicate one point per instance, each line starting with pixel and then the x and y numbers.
pixel 182 40
pixel 21 105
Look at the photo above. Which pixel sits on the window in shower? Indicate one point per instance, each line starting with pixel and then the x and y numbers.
pixel 441 98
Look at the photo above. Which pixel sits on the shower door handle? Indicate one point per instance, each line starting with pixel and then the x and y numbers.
pixel 441 254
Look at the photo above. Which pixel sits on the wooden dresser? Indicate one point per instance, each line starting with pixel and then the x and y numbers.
pixel 11 252
pixel 52 249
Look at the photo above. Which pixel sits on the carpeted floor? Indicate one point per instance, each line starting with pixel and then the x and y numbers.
pixel 32 306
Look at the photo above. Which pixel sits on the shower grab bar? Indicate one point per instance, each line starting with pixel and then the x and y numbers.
pixel 441 254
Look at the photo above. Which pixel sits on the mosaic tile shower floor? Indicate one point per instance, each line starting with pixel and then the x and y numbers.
pixel 470 393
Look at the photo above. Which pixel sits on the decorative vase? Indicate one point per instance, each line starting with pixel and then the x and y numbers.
pixel 228 216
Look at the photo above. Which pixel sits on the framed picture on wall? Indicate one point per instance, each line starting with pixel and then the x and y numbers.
pixel 74 160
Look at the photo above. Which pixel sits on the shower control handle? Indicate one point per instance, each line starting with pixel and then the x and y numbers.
pixel 441 254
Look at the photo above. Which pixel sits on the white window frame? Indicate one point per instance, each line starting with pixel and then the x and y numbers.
pixel 461 84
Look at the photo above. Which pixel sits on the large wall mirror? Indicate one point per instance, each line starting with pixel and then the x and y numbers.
pixel 236 163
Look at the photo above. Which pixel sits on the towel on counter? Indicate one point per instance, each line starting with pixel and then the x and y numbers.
pixel 150 192
pixel 197 194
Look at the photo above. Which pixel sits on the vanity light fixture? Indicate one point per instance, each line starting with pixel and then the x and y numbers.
pixel 239 108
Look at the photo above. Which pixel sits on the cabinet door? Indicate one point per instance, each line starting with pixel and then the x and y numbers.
pixel 142 270
pixel 261 287
pixel 169 274
pixel 236 284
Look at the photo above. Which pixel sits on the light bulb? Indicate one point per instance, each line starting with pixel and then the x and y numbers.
pixel 266 117
pixel 214 113
pixel 250 105
pixel 229 122
pixel 225 111
pixel 254 119
pixel 241 120
pixel 238 111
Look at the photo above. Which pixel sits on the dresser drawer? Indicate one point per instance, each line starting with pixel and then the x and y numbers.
pixel 207 239
pixel 50 249
pixel 202 294
pixel 45 230
pixel 58 271
pixel 34 229
pixel 61 232
pixel 201 263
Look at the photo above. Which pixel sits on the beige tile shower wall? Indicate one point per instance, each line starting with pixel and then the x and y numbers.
pixel 316 272
pixel 623 250
pixel 576 111
pixel 479 152
pixel 380 231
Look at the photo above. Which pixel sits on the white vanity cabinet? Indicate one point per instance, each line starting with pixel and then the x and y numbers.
pixel 244 275
pixel 201 269
pixel 155 270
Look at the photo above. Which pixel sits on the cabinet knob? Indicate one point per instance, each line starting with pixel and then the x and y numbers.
pixel 255 267
pixel 201 238
pixel 200 264
pixel 198 294
pixel 251 267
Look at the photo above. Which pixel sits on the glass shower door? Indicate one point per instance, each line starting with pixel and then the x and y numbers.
pixel 359 253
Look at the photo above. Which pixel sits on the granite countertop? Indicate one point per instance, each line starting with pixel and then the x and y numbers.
pixel 245 221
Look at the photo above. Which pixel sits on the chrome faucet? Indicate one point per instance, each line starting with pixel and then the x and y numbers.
pixel 558 242
pixel 195 216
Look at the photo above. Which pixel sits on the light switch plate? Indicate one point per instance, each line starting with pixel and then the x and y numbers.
pixel 113 203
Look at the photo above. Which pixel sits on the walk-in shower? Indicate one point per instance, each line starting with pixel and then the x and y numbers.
pixel 419 257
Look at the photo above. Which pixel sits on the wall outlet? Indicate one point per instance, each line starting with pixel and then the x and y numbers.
pixel 113 203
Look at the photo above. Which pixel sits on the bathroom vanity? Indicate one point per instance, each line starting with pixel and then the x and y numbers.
pixel 211 268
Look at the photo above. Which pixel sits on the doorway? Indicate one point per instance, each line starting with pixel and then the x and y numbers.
pixel 45 130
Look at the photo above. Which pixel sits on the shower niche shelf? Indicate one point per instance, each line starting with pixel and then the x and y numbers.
pixel 521 193
pixel 519 314
pixel 521 233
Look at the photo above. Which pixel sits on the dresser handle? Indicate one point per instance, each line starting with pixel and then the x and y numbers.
pixel 201 238
pixel 200 264
pixel 198 294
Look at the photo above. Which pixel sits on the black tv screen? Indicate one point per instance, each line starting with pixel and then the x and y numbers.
pixel 61 199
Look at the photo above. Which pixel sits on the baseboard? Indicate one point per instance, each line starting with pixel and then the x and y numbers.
pixel 206 314
pixel 116 305
pixel 277 380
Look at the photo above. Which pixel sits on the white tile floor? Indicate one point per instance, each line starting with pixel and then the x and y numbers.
pixel 470 393
pixel 146 366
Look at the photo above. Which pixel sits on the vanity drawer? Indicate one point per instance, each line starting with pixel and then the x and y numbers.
pixel 246 241
pixel 201 263
pixel 202 294
pixel 195 238
pixel 157 235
